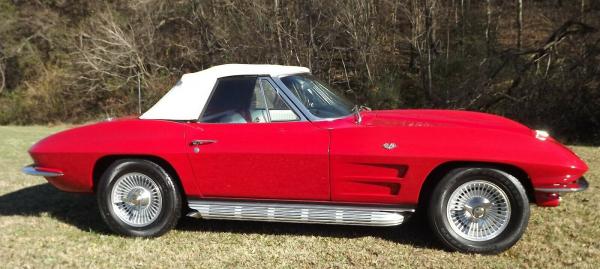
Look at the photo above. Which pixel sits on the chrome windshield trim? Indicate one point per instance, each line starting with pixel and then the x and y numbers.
pixel 582 185
pixel 34 171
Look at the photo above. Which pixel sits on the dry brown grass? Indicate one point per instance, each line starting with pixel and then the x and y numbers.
pixel 41 227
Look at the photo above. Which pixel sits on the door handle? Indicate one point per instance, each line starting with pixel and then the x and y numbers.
pixel 200 142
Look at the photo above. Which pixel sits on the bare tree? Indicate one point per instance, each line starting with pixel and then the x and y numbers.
pixel 429 10
pixel 519 22
pixel 386 53
pixel 488 26
pixel 2 77
pixel 462 26
pixel 422 40
pixel 359 25
pixel 110 55
pixel 278 28
pixel 582 12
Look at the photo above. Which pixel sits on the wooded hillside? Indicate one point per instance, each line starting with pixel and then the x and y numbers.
pixel 533 61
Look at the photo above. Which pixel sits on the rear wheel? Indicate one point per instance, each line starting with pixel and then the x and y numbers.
pixel 138 198
pixel 479 210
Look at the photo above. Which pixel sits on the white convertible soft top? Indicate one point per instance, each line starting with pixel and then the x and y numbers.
pixel 186 100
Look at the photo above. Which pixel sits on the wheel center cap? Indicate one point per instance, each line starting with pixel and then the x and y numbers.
pixel 478 212
pixel 138 197
pixel 476 207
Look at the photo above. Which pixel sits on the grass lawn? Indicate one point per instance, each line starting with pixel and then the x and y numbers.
pixel 41 227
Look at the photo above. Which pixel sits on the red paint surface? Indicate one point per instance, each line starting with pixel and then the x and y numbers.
pixel 547 199
pixel 265 161
pixel 336 160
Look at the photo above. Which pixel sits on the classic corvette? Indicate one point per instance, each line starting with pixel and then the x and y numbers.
pixel 273 143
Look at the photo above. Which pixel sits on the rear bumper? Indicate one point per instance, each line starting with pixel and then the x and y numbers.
pixel 579 185
pixel 33 170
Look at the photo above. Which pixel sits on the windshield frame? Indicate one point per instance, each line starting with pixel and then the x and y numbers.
pixel 299 105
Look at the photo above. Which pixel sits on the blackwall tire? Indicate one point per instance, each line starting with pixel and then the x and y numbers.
pixel 138 198
pixel 478 210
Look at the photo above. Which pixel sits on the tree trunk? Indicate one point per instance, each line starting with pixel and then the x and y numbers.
pixel 429 45
pixel 488 26
pixel 448 34
pixel 519 22
pixel 462 26
pixel 278 31
pixel 582 10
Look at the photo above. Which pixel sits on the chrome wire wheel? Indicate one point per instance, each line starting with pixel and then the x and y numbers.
pixel 478 210
pixel 136 199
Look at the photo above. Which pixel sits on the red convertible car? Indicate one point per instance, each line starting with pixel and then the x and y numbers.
pixel 273 143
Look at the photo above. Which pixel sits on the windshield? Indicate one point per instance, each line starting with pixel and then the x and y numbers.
pixel 318 98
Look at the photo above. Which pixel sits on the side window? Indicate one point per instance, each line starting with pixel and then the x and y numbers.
pixel 241 100
pixel 232 101
pixel 278 108
pixel 258 108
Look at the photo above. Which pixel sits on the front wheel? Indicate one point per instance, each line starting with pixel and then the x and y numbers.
pixel 138 198
pixel 479 210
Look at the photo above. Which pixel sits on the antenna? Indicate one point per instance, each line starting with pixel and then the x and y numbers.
pixel 139 95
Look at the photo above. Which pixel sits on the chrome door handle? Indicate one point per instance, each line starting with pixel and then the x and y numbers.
pixel 200 142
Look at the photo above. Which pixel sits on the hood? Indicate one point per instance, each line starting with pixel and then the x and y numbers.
pixel 444 118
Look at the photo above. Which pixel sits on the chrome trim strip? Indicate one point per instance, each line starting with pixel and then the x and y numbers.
pixel 33 171
pixel 298 213
pixel 581 182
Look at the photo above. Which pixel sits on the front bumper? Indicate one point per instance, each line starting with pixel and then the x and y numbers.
pixel 33 170
pixel 550 195
pixel 579 185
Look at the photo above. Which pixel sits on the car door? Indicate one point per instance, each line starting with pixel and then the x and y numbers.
pixel 250 143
